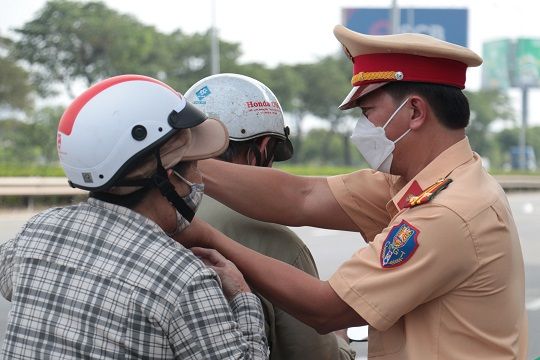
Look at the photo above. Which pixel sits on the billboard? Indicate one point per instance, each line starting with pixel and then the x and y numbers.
pixel 446 24
pixel 527 63
pixel 511 63
pixel 497 64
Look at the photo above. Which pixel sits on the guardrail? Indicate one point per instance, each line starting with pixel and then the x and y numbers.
pixel 37 186
pixel 30 187
pixel 519 182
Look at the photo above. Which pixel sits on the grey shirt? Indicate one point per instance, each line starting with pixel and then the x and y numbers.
pixel 288 337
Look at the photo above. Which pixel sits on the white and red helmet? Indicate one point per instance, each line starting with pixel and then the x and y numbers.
pixel 247 107
pixel 120 120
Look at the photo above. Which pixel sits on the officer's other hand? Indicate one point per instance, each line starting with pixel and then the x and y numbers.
pixel 232 280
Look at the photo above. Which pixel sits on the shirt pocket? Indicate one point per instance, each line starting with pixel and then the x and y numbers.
pixel 391 341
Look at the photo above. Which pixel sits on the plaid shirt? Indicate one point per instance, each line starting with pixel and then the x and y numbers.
pixel 96 280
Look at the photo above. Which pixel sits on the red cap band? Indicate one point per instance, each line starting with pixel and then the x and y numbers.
pixel 374 68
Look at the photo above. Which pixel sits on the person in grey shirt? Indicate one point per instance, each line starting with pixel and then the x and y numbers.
pixel 103 278
pixel 258 136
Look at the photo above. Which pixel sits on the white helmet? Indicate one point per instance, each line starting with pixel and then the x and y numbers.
pixel 247 107
pixel 119 121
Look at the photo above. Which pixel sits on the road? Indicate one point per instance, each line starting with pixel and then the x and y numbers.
pixel 330 248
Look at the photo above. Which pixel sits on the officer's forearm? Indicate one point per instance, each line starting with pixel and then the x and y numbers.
pixel 275 196
pixel 305 297
pixel 262 193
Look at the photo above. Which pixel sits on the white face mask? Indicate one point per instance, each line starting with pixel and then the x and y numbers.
pixel 373 144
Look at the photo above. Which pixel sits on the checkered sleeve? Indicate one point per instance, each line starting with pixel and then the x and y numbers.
pixel 247 310
pixel 7 252
pixel 203 325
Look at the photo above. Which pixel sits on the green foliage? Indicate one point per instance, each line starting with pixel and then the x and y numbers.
pixel 317 89
pixel 70 41
pixel 189 58
pixel 289 86
pixel 15 88
pixel 486 107
pixel 32 142
pixel 30 170
pixel 15 146
pixel 328 83
pixel 313 153
pixel 510 137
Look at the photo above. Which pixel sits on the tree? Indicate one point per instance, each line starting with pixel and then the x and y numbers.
pixel 312 152
pixel 15 88
pixel 508 138
pixel 15 146
pixel 43 133
pixel 289 86
pixel 189 59
pixel 72 41
pixel 30 142
pixel 328 82
pixel 486 106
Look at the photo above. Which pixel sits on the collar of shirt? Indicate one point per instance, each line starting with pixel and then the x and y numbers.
pixel 439 168
pixel 124 211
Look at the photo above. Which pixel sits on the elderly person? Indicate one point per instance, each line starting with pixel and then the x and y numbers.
pixel 103 278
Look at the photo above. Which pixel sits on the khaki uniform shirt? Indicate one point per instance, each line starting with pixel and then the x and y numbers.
pixel 288 338
pixel 441 280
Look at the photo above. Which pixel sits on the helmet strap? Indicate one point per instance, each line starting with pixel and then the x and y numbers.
pixel 270 151
pixel 265 155
pixel 254 148
pixel 161 180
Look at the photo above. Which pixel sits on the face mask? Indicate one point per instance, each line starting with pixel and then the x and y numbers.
pixel 192 200
pixel 373 144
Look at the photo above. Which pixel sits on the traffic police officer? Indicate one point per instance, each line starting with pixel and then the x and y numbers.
pixel 442 276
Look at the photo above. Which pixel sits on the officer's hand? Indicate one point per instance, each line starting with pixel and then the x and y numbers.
pixel 232 280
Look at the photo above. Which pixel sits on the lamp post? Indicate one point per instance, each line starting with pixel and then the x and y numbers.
pixel 214 46
pixel 395 17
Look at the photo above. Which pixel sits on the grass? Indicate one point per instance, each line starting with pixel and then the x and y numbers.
pixel 308 170
pixel 30 170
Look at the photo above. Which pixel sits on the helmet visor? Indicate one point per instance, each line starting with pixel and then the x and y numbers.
pixel 188 117
pixel 283 150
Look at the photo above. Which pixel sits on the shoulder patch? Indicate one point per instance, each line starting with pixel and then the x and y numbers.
pixel 400 245
pixel 428 194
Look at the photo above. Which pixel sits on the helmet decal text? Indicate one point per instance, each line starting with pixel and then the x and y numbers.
pixel 202 93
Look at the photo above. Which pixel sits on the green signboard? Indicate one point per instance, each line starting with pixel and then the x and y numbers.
pixel 510 63
pixel 527 63
pixel 496 68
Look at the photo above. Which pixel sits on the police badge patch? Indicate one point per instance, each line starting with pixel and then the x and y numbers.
pixel 400 245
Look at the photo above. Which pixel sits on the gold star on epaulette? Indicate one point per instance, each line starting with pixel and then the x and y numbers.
pixel 428 194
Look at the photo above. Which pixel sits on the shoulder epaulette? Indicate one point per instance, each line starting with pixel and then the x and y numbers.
pixel 428 194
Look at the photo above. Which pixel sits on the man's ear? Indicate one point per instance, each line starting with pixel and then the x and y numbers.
pixel 419 112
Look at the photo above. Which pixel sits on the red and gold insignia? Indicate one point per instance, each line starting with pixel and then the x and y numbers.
pixel 427 194
pixel 413 190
